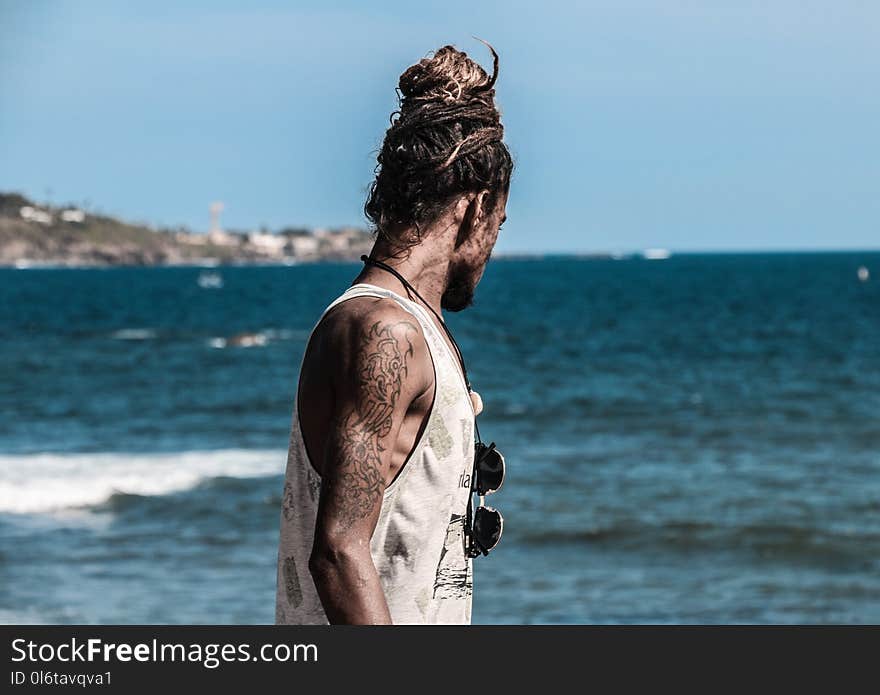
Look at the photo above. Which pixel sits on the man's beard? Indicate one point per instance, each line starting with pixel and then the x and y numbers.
pixel 460 287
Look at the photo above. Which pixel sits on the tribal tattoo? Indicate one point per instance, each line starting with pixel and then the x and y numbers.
pixel 385 350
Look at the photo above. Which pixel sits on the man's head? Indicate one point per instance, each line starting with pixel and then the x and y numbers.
pixel 443 161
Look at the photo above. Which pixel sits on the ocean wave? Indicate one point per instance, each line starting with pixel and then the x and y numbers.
pixel 133 334
pixel 39 483
pixel 256 339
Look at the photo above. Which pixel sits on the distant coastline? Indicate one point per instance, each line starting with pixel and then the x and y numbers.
pixel 34 235
pixel 38 235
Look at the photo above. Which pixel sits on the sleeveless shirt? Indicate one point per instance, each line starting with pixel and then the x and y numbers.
pixel 418 545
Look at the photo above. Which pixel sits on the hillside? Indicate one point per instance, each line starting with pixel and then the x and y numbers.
pixel 33 234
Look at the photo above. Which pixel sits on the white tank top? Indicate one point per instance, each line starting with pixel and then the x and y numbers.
pixel 418 545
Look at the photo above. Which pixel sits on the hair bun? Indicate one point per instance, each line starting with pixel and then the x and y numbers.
pixel 447 76
pixel 445 139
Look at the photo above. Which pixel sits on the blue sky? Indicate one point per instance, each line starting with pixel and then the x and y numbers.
pixel 687 125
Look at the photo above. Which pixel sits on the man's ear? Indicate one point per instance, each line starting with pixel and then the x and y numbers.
pixel 472 216
pixel 482 200
pixel 469 218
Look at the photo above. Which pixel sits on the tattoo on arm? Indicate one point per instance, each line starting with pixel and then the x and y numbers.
pixel 359 482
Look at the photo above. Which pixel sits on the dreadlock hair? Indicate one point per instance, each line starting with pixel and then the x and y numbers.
pixel 445 140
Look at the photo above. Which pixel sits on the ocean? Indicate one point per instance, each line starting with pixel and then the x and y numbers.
pixel 690 440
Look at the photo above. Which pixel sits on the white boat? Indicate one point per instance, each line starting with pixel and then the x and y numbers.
pixel 210 281
pixel 656 254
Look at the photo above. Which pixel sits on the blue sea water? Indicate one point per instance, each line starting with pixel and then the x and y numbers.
pixel 689 440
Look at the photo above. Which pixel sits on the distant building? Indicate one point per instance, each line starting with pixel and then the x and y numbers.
pixel 221 238
pixel 32 214
pixel 215 209
pixel 295 232
pixel 267 242
pixel 333 240
pixel 73 215
pixel 303 246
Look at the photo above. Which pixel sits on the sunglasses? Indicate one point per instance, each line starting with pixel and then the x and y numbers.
pixel 485 524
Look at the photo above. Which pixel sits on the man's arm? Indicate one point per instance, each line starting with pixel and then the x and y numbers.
pixel 381 357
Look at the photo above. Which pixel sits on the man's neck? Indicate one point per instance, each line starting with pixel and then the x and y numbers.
pixel 424 266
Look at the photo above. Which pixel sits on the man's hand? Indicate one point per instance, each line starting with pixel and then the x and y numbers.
pixel 382 365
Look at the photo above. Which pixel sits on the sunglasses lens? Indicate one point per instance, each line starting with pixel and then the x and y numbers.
pixel 490 471
pixel 487 527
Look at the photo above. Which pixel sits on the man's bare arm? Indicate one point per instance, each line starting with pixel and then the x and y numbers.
pixel 382 358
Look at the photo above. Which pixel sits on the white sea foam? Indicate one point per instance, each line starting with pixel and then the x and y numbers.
pixel 256 339
pixel 286 334
pixel 133 334
pixel 33 483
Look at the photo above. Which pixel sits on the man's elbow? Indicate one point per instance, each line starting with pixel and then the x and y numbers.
pixel 322 562
pixel 333 557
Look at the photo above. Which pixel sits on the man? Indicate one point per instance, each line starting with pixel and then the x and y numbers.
pixel 377 485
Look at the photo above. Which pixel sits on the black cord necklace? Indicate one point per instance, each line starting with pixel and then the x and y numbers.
pixel 384 266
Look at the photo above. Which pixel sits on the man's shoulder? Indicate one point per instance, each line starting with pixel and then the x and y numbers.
pixel 361 317
pixel 362 330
